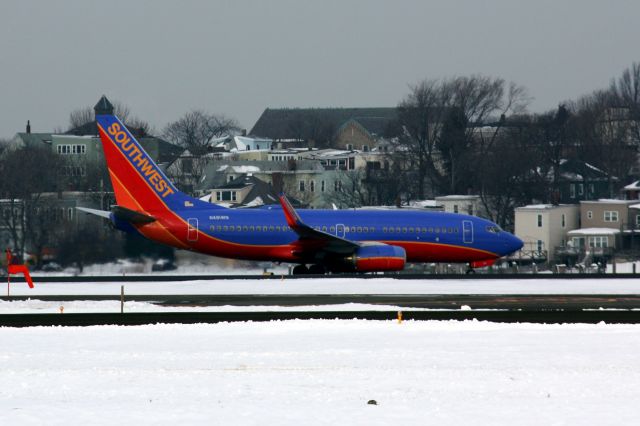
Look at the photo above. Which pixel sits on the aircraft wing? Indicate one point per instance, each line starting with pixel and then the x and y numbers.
pixel 329 243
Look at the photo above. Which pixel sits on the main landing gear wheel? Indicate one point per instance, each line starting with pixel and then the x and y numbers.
pixel 300 270
pixel 317 269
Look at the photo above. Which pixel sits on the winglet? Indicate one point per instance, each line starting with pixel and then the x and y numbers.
pixel 293 219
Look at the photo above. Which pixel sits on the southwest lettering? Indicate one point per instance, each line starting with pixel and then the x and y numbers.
pixel 144 166
pixel 147 168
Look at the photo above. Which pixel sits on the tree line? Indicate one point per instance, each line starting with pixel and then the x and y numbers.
pixel 458 135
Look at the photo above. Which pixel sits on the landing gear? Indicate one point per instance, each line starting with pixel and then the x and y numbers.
pixel 300 270
pixel 317 269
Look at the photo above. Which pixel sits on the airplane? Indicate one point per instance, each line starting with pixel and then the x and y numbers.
pixel 315 241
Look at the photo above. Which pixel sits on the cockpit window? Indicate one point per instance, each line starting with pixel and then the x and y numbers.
pixel 494 229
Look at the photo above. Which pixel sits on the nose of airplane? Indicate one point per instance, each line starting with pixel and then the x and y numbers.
pixel 512 243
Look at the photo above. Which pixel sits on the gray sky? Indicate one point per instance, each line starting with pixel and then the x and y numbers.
pixel 163 58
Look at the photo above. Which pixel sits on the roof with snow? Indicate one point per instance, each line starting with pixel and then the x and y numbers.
pixel 576 170
pixel 594 231
pixel 633 186
pixel 545 206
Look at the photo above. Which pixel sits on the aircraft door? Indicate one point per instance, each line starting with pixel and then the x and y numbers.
pixel 192 229
pixel 340 230
pixel 467 232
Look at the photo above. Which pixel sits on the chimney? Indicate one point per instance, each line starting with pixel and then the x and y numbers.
pixel 28 127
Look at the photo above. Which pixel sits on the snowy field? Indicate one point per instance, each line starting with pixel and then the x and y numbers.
pixel 321 373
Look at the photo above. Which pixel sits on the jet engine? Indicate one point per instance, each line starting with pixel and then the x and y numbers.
pixel 378 257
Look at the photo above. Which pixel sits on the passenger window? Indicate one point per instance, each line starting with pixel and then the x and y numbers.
pixel 212 228
pixel 278 228
pixel 219 228
pixel 398 229
pixel 264 229
pixel 324 228
pixel 332 229
pixel 271 228
pixel 353 229
pixel 411 230
pixel 372 229
pixel 245 228
pixel 365 229
pixel 404 230
pixel 437 230
pixel 444 230
pixel 384 229
pixel 424 230
pixel 391 230
pixel 252 228
pixel 226 228
pixel 232 228
pixel 431 230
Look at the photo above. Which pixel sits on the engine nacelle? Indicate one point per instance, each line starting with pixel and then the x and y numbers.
pixel 380 257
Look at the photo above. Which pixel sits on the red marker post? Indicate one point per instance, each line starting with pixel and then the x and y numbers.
pixel 16 269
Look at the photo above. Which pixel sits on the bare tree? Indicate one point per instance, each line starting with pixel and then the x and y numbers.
pixel 27 173
pixel 462 103
pixel 196 129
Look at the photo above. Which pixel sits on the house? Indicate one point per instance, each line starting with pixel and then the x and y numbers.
pixel 342 128
pixel 608 213
pixel 622 216
pixel 544 227
pixel 632 191
pixel 465 204
pixel 246 191
pixel 578 180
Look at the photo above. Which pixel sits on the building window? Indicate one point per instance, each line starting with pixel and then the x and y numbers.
pixel 564 221
pixel 365 148
pixel 572 190
pixel 637 219
pixel 312 185
pixel 66 149
pixel 580 189
pixel 591 189
pixel 611 216
pixel 599 241
pixel 539 221
pixel 589 214
pixel 322 186
pixel 455 208
pixel 540 246
pixel 470 209
pixel 337 186
pixel 349 147
pixel 301 186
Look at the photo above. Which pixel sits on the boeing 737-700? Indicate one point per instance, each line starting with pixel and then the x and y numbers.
pixel 316 241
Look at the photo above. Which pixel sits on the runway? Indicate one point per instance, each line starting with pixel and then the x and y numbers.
pixel 610 300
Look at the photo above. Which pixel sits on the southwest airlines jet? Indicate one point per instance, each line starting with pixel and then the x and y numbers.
pixel 317 241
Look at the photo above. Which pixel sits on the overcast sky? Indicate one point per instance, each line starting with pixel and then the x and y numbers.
pixel 163 58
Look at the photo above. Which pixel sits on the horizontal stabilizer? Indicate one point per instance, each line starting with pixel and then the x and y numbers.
pixel 121 213
pixel 131 216
pixel 101 213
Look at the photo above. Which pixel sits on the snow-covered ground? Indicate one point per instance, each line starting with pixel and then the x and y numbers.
pixel 321 372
